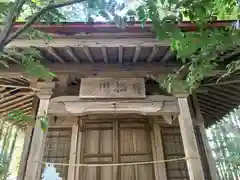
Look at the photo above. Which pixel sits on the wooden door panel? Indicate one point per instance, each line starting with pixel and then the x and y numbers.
pixel 116 141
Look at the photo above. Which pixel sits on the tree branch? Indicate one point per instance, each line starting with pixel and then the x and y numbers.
pixel 37 15
pixel 13 15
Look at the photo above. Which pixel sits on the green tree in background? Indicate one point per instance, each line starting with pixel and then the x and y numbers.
pixel 225 143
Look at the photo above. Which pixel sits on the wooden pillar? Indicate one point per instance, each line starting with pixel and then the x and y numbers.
pixel 73 152
pixel 28 137
pixel 25 151
pixel 194 164
pixel 208 151
pixel 38 139
pixel 79 148
pixel 158 153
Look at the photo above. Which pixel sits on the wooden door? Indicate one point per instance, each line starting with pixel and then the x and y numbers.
pixel 116 141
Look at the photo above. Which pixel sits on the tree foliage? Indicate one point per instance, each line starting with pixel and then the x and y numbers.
pixel 225 143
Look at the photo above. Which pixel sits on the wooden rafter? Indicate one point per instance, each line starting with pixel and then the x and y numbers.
pixel 15 97
pixel 21 98
pixel 212 106
pixel 220 99
pixel 16 81
pixel 216 102
pixel 14 60
pixel 136 53
pixel 71 54
pixel 54 54
pixel 120 54
pixel 15 105
pixel 229 92
pixel 231 81
pixel 88 54
pixel 153 53
pixel 104 53
pixel 166 56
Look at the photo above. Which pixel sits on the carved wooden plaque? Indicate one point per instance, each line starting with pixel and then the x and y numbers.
pixel 112 88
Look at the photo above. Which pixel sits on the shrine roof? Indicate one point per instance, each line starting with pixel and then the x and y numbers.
pixel 94 45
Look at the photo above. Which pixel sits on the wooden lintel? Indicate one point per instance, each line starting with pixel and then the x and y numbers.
pixel 152 105
pixel 54 54
pixel 88 54
pixel 70 52
pixel 104 53
pixel 136 54
pixel 74 42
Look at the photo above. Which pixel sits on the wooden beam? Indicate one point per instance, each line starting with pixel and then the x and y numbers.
pixel 88 54
pixel 86 70
pixel 73 152
pixel 104 53
pixel 158 152
pixel 153 53
pixel 194 164
pixel 120 54
pixel 74 42
pixel 54 54
pixel 136 54
pixel 71 54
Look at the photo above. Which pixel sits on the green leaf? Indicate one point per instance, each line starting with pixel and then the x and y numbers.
pixel 141 12
pixel 44 123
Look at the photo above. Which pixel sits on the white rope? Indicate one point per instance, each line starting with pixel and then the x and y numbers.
pixel 118 164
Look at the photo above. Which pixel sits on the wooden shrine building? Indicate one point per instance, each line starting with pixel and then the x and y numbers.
pixel 106 107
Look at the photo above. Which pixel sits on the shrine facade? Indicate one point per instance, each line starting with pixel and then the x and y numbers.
pixel 106 109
